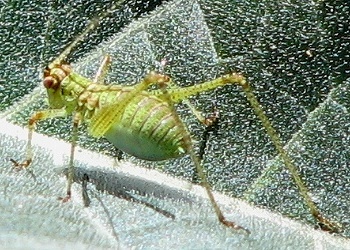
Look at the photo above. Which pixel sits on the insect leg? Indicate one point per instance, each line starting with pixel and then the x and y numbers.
pixel 180 94
pixel 324 223
pixel 90 27
pixel 36 117
pixel 99 79
pixel 77 118
pixel 102 70
pixel 197 163
pixel 211 122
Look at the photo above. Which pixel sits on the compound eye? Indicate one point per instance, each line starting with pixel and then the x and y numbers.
pixel 50 83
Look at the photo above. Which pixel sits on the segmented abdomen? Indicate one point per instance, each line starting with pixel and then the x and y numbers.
pixel 148 130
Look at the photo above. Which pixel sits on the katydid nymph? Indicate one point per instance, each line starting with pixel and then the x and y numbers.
pixel 141 121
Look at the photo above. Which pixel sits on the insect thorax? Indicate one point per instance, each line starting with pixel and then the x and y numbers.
pixel 147 128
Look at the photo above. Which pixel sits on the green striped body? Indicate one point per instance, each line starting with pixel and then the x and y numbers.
pixel 147 130
pixel 136 120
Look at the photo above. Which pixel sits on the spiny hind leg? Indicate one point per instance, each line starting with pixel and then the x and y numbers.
pixel 323 222
pixel 197 162
pixel 178 94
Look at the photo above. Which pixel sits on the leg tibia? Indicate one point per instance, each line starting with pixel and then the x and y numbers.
pixel 325 224
pixel 38 116
pixel 179 94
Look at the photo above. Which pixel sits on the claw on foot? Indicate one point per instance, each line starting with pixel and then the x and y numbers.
pixel 328 226
pixel 20 166
pixel 234 226
pixel 65 199
pixel 212 119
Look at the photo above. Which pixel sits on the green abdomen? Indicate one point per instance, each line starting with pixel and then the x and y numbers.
pixel 148 130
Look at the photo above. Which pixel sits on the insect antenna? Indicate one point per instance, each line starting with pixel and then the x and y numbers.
pixel 93 24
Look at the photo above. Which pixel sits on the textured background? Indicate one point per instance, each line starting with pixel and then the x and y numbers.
pixel 295 54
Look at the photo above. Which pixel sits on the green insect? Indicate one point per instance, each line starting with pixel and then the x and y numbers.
pixel 140 121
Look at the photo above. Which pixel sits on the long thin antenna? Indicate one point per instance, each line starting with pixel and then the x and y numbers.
pixel 95 22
